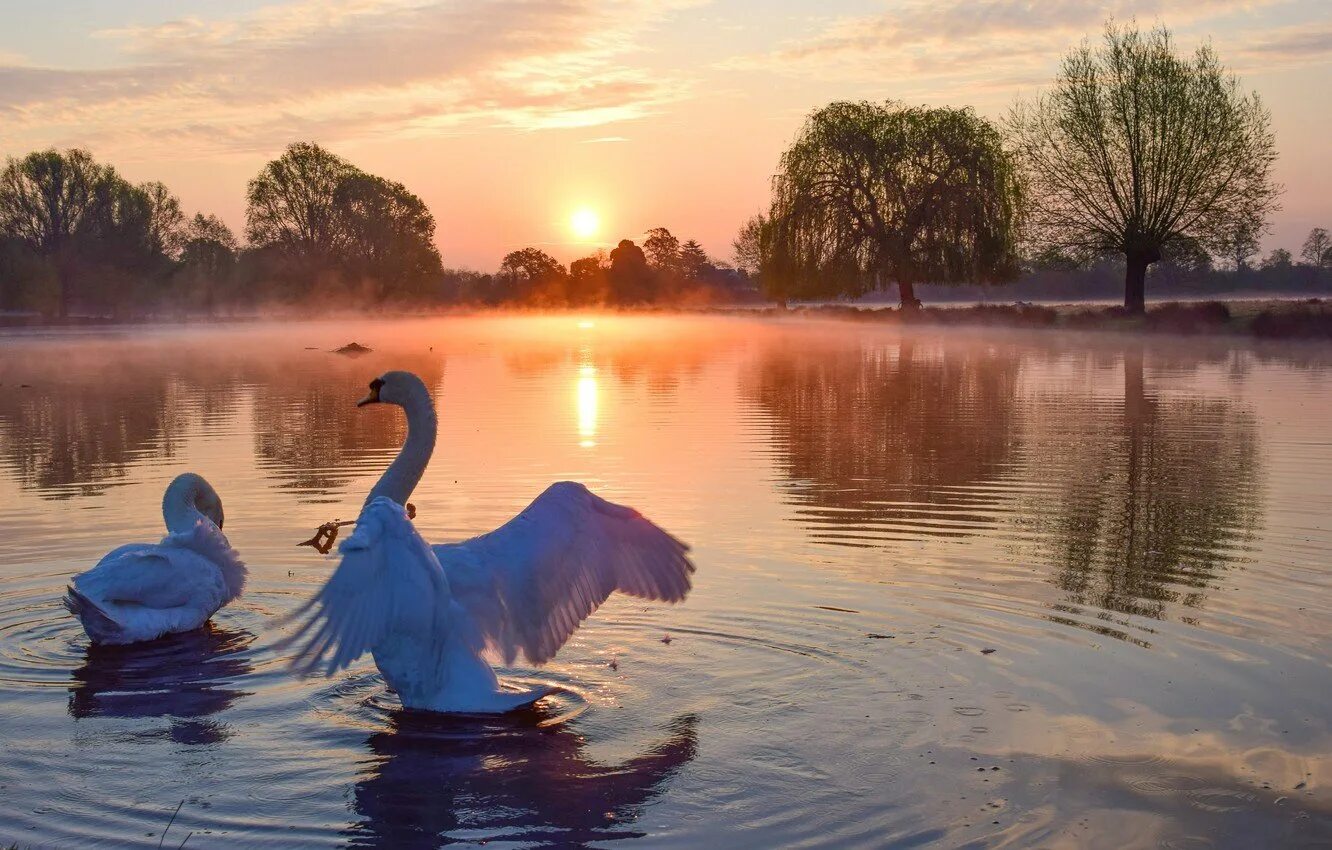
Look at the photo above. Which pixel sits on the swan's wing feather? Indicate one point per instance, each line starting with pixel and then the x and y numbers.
pixel 530 583
pixel 208 540
pixel 388 580
pixel 148 575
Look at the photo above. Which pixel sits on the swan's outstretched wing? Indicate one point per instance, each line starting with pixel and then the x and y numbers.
pixel 388 581
pixel 528 584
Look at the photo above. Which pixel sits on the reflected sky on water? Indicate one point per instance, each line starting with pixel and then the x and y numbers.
pixel 954 587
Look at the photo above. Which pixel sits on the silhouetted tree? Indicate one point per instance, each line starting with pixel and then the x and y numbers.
pixel 1317 250
pixel 291 204
pixel 208 258
pixel 389 235
pixel 589 280
pixel 47 201
pixel 748 245
pixel 871 193
pixel 533 276
pixel 1280 258
pixel 694 261
pixel 1239 244
pixel 630 277
pixel 1136 148
pixel 662 251
pixel 166 223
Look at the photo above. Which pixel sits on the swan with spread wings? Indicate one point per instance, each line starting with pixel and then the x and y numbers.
pixel 430 615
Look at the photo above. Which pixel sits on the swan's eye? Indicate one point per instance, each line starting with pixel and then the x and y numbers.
pixel 376 384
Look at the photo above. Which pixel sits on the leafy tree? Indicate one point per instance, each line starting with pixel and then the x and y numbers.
pixel 166 222
pixel 589 280
pixel 662 250
pixel 388 234
pixel 694 261
pixel 1317 250
pixel 48 200
pixel 1136 148
pixel 208 257
pixel 291 204
pixel 871 193
pixel 533 276
pixel 631 279
pixel 1280 258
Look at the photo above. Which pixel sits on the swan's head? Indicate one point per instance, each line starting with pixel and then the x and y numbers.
pixel 400 388
pixel 209 504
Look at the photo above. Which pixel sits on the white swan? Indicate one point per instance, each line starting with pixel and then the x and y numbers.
pixel 143 591
pixel 428 614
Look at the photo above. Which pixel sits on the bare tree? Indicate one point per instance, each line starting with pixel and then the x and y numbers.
pixel 1238 245
pixel 1135 148
pixel 748 245
pixel 1317 250
pixel 872 193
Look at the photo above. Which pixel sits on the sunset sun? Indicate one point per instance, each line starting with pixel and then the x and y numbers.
pixel 585 223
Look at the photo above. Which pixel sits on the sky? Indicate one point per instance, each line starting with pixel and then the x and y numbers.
pixel 509 117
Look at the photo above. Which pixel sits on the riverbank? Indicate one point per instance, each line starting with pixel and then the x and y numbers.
pixel 1266 319
pixel 1272 318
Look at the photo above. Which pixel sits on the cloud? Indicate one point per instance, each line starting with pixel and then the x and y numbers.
pixel 1291 46
pixel 942 46
pixel 345 70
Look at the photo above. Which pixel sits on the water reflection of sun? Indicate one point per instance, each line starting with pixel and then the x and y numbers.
pixel 587 406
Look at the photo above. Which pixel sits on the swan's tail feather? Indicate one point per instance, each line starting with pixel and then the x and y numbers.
pixel 96 622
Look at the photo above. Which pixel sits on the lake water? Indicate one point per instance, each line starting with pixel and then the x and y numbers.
pixel 953 589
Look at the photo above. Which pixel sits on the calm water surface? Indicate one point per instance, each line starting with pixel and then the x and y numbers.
pixel 953 589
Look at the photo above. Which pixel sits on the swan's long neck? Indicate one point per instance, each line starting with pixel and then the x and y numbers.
pixel 180 503
pixel 402 476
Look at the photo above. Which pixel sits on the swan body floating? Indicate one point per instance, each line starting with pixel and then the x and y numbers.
pixel 430 615
pixel 142 591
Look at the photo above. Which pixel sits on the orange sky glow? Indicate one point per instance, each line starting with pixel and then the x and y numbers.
pixel 514 119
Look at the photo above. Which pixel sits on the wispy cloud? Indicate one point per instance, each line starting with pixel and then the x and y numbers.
pixel 344 70
pixel 938 45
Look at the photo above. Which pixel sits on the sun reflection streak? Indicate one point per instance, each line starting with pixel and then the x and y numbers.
pixel 587 406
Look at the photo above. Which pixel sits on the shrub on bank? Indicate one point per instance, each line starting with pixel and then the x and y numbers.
pixel 1306 320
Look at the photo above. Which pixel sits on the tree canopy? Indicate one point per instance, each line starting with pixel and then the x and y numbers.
pixel 1136 148
pixel 318 214
pixel 875 193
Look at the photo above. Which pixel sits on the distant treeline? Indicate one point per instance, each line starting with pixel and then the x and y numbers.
pixel 76 237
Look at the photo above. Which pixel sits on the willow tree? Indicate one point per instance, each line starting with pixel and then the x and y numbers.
pixel 1136 148
pixel 876 193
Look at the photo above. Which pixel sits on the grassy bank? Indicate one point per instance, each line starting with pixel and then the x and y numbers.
pixel 1273 319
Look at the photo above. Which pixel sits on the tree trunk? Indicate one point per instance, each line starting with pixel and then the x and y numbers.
pixel 906 292
pixel 1135 279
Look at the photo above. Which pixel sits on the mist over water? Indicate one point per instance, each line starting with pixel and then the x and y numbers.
pixel 955 588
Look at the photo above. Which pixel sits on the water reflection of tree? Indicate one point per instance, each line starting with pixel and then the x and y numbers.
pixel 1147 501
pixel 878 441
pixel 89 413
pixel 309 434
pixel 506 780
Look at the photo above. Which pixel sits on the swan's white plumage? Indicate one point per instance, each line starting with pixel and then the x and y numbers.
pixel 387 586
pixel 428 614
pixel 142 591
pixel 529 584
